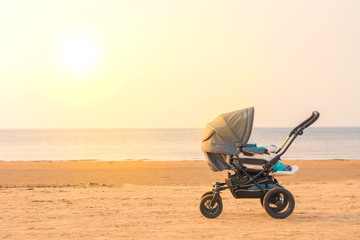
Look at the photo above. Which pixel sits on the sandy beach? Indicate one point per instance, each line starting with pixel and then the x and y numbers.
pixel 159 200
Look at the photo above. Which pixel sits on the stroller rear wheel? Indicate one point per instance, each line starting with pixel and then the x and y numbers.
pixel 209 207
pixel 280 208
pixel 279 203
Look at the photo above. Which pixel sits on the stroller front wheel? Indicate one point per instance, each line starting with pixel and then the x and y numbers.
pixel 279 203
pixel 209 207
pixel 209 193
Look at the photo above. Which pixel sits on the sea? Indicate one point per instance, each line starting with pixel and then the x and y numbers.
pixel 318 143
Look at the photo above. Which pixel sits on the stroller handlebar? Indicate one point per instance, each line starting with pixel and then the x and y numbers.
pixel 310 120
pixel 298 130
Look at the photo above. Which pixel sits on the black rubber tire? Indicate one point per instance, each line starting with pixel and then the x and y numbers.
pixel 207 210
pixel 280 208
pixel 279 203
pixel 209 193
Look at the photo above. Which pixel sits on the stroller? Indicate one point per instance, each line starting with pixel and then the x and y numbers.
pixel 224 144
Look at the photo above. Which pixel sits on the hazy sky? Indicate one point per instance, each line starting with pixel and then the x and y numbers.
pixel 159 64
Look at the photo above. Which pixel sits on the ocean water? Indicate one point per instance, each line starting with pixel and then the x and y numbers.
pixel 164 144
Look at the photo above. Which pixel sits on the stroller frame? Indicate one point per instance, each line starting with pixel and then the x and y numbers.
pixel 274 199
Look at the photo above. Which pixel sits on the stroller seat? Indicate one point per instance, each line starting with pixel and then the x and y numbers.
pixel 254 157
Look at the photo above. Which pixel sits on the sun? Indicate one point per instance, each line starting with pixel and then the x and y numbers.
pixel 79 54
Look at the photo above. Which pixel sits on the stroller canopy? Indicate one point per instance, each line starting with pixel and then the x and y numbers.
pixel 224 134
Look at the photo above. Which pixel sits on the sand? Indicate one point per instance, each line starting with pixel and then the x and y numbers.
pixel 159 200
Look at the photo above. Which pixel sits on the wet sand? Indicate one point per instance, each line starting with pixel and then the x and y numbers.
pixel 159 200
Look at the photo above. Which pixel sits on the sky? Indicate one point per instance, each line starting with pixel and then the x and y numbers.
pixel 177 64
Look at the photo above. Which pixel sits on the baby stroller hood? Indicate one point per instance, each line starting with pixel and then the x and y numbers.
pixel 223 136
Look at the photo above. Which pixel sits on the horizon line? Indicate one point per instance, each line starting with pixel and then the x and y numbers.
pixel 158 128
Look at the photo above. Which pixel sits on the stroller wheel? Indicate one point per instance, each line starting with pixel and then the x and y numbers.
pixel 279 208
pixel 282 207
pixel 211 208
pixel 279 203
pixel 209 193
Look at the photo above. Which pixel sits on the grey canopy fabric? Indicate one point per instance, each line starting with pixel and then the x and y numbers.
pixel 223 136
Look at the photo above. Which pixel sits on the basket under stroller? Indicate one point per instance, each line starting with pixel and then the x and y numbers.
pixel 225 145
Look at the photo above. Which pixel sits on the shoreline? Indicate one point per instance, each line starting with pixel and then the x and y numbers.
pixel 149 160
pixel 118 173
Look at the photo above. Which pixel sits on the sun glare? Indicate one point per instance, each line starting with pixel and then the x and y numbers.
pixel 79 54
